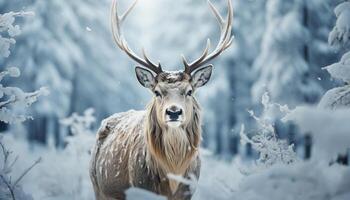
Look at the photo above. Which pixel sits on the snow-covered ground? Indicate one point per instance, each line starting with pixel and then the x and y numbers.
pixel 63 176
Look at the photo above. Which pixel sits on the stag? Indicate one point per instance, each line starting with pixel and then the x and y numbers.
pixel 140 148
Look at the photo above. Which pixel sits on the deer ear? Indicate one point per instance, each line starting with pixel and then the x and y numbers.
pixel 145 77
pixel 202 76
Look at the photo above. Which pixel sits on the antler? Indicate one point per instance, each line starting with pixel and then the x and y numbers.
pixel 116 22
pixel 224 42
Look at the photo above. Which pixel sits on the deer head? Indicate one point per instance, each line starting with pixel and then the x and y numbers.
pixel 173 91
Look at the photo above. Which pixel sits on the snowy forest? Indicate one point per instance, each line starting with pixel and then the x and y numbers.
pixel 276 111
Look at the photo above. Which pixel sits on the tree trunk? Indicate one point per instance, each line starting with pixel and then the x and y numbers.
pixel 218 137
pixel 308 145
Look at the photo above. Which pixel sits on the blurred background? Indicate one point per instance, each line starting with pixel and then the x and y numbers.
pixel 279 47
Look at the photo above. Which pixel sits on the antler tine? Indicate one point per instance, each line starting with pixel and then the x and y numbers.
pixel 122 18
pixel 199 60
pixel 157 68
pixel 116 22
pixel 184 60
pixel 224 42
pixel 217 14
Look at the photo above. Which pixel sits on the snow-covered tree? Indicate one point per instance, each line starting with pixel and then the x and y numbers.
pixel 318 20
pixel 340 96
pixel 282 67
pixel 339 37
pixel 239 65
pixel 13 100
pixel 68 47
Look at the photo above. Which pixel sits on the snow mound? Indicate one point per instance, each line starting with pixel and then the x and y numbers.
pixel 140 194
pixel 336 98
pixel 302 181
pixel 330 129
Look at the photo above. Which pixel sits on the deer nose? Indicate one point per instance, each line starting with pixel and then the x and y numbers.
pixel 173 112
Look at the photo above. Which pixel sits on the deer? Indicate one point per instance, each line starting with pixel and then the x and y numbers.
pixel 141 148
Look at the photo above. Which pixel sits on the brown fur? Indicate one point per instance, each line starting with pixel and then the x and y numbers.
pixel 136 149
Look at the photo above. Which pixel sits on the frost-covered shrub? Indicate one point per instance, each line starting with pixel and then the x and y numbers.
pixel 283 178
pixel 63 173
pixel 82 140
pixel 9 187
pixel 271 149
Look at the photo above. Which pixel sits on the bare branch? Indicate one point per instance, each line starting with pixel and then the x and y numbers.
pixel 8 186
pixel 26 171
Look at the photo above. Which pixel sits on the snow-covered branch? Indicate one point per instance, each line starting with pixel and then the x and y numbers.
pixel 340 35
pixel 15 99
pixel 8 30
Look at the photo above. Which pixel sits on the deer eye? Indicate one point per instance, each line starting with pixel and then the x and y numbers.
pixel 189 93
pixel 157 93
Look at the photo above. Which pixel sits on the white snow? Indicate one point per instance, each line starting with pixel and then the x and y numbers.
pixel 139 194
pixel 88 29
pixel 302 181
pixel 336 98
pixel 329 128
pixel 341 69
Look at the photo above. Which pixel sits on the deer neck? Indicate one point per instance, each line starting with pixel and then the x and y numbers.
pixel 171 150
